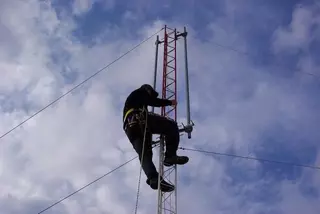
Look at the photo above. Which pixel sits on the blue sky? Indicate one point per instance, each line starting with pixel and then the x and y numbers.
pixel 255 101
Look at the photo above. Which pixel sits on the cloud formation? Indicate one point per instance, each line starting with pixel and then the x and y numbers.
pixel 303 29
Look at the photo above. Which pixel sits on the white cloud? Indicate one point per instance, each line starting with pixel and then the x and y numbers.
pixel 303 28
pixel 80 7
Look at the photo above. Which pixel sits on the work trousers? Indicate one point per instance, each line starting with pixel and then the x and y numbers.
pixel 156 124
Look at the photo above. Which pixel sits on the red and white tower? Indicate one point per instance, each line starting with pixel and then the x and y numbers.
pixel 167 202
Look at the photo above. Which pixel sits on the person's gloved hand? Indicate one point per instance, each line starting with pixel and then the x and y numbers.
pixel 174 102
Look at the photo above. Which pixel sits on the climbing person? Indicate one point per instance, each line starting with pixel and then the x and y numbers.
pixel 139 125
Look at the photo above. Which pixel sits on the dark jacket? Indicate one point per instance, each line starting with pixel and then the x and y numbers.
pixel 140 98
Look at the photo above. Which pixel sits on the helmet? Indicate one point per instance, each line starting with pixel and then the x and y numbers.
pixel 150 90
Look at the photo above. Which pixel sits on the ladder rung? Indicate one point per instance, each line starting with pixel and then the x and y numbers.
pixel 170 84
pixel 170 78
pixel 168 112
pixel 168 73
pixel 171 67
pixel 170 93
pixel 170 61
pixel 169 90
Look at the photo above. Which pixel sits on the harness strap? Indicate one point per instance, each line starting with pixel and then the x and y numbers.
pixel 136 119
pixel 127 113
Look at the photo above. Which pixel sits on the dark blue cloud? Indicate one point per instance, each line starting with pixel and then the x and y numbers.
pixel 279 143
pixel 61 7
pixel 95 20
pixel 254 21
pixel 262 183
pixel 307 186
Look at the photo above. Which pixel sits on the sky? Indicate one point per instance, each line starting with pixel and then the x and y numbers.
pixel 254 86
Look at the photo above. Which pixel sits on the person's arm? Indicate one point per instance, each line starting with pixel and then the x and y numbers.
pixel 157 102
pixel 154 101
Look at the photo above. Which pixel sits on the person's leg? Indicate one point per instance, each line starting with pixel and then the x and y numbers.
pixel 135 136
pixel 169 128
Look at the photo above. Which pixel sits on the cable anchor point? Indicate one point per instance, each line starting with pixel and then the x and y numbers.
pixel 187 128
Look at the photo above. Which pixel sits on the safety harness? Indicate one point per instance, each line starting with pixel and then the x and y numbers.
pixel 133 117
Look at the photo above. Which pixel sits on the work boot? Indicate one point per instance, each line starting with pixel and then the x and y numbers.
pixel 180 160
pixel 164 186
